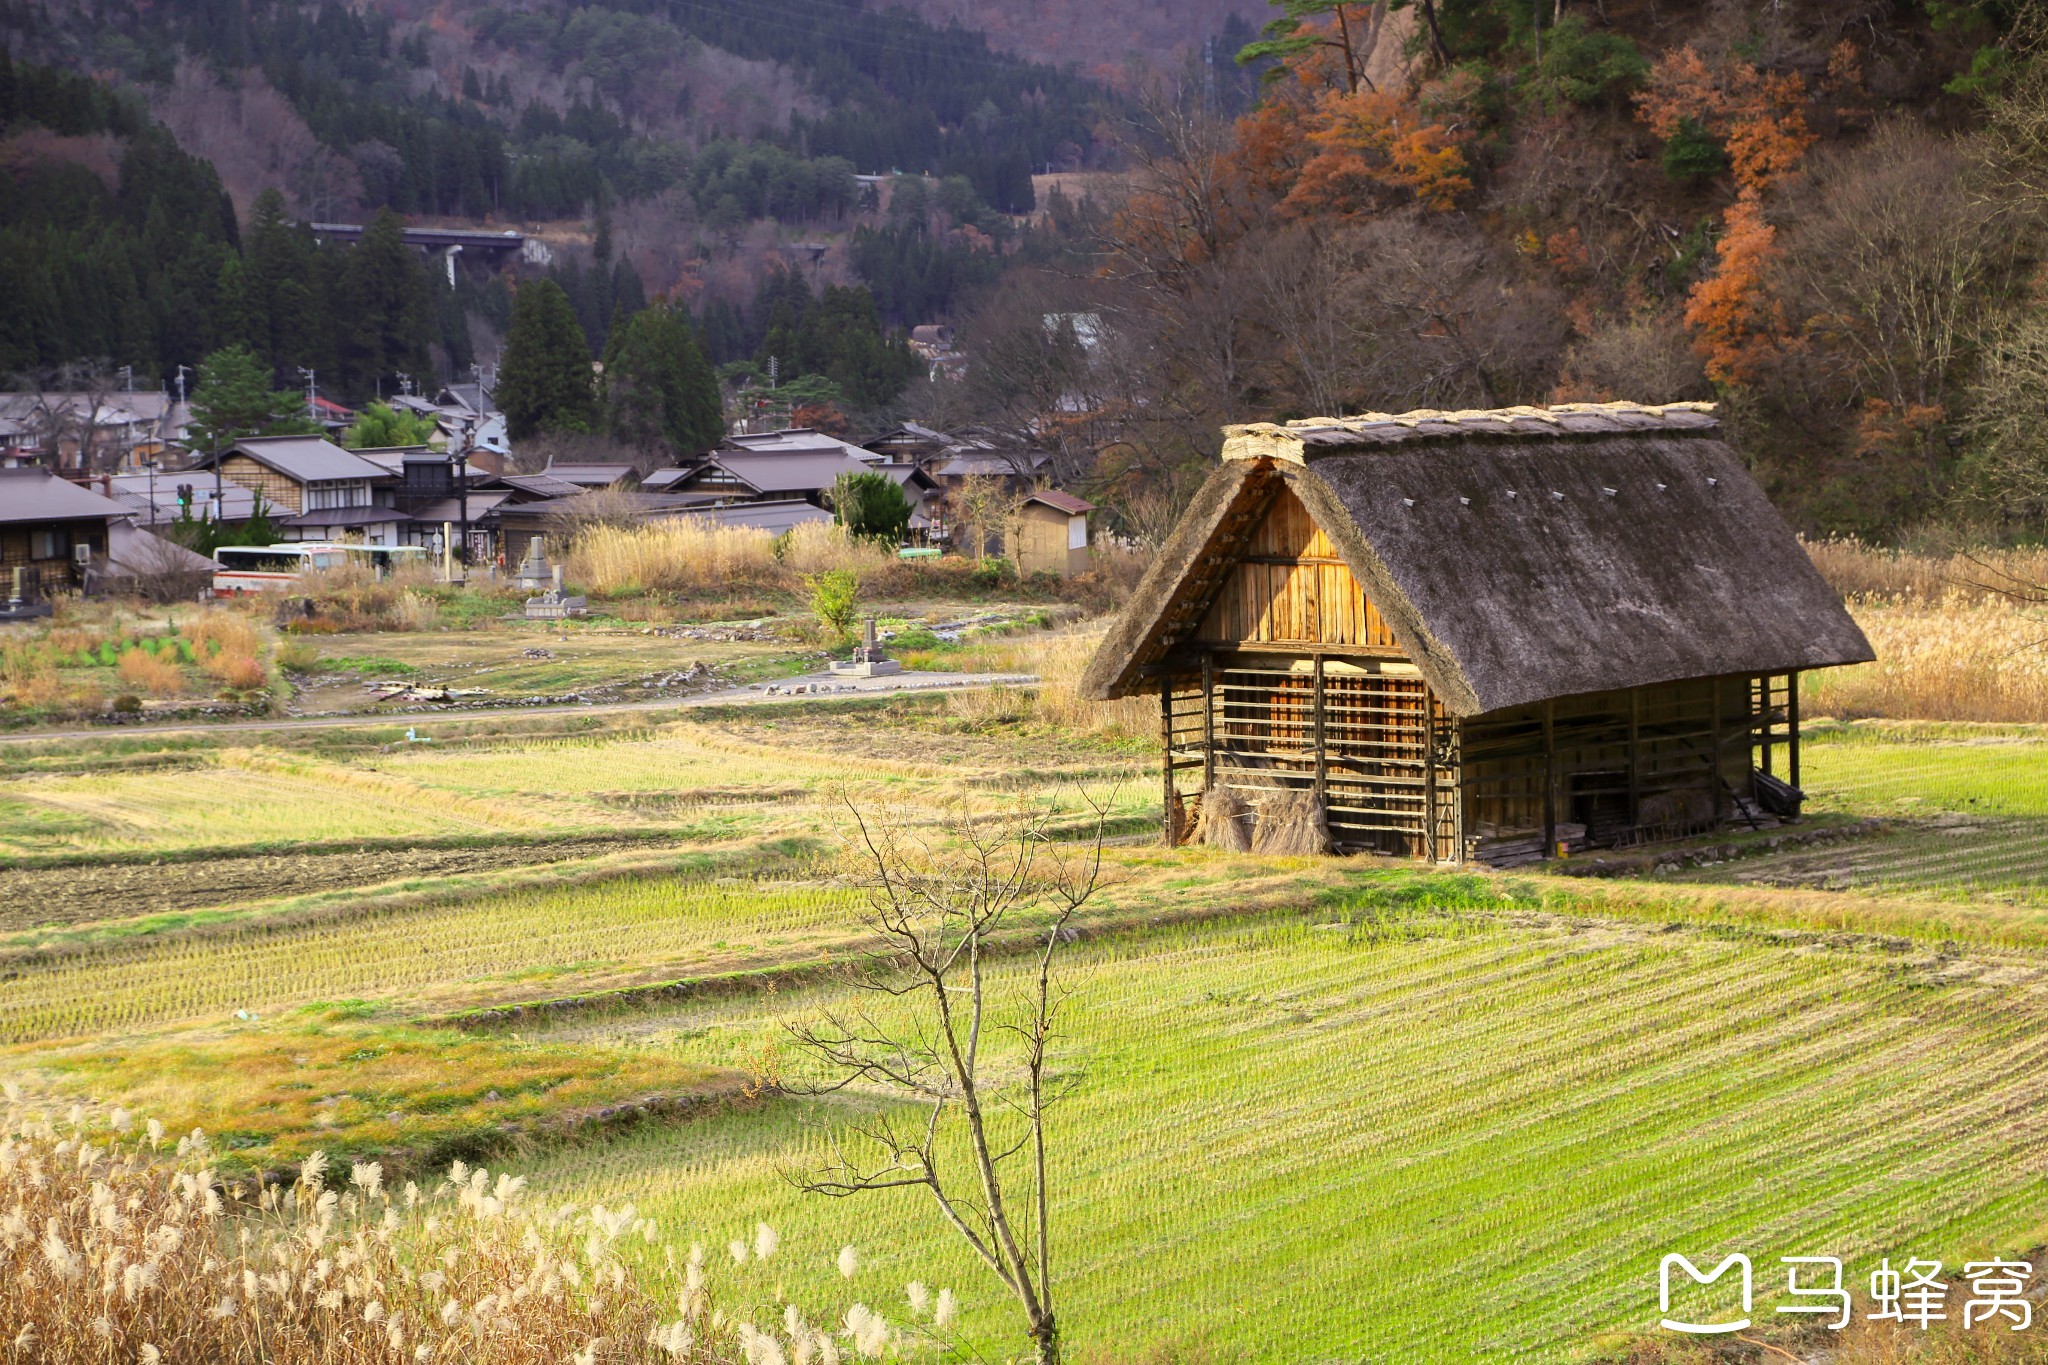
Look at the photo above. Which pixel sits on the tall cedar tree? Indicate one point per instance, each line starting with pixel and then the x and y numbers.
pixel 390 310
pixel 659 390
pixel 544 383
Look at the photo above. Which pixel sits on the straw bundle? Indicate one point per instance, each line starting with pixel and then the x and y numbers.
pixel 1226 821
pixel 1293 824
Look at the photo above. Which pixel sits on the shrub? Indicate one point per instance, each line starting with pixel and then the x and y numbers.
pixel 241 672
pixel 127 703
pixel 145 672
pixel 835 596
pixel 1692 154
pixel 296 656
pixel 871 507
pixel 1585 66
pixel 992 572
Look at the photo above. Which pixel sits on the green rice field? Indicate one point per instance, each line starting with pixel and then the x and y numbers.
pixel 1308 1144
pixel 1321 1111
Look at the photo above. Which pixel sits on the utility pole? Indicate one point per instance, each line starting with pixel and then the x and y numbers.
pixel 181 384
pixel 312 411
pixel 462 486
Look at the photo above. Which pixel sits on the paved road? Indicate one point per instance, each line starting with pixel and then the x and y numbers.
pixel 787 690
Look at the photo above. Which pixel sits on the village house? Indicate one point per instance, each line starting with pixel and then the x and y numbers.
pixel 1049 534
pixel 52 530
pixel 95 431
pixel 319 490
pixel 774 466
pixel 1485 635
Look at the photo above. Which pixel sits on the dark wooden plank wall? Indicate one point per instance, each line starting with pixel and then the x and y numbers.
pixel 1677 730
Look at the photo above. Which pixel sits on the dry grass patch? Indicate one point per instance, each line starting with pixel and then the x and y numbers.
pixel 116 1249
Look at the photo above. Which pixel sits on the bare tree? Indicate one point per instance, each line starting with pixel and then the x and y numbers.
pixel 940 911
pixel 987 503
pixel 69 406
pixel 1892 262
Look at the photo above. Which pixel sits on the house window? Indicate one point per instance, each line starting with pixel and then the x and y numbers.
pixel 49 544
pixel 322 497
pixel 1077 533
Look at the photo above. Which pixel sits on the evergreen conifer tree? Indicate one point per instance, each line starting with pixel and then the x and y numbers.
pixel 544 381
pixel 659 389
pixel 391 316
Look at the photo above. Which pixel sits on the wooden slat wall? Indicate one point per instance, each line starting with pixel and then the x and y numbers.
pixel 1503 750
pixel 1292 588
pixel 277 490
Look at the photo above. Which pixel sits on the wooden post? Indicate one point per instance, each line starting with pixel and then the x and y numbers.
pixel 1208 721
pixel 1792 728
pixel 1322 758
pixel 1635 757
pixel 1172 835
pixel 1550 779
pixel 1429 838
pixel 1714 762
pixel 1764 714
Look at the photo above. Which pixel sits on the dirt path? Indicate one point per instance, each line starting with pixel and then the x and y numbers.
pixel 37 896
pixel 786 693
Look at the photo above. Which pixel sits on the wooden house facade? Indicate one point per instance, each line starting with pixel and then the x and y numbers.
pixel 1478 634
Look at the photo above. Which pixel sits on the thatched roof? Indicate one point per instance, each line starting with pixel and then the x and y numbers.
pixel 1517 555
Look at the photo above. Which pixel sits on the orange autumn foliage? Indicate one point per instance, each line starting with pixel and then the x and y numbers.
pixel 1760 116
pixel 1737 326
pixel 1366 142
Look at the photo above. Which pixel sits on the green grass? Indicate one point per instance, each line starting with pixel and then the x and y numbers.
pixel 1895 770
pixel 1969 813
pixel 370 666
pixel 1304 1143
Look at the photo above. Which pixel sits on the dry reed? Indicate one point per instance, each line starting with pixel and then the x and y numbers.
pixel 114 1248
pixel 148 674
pixel 1291 824
pixel 1856 569
pixel 685 555
pixel 1953 658
pixel 221 630
pixel 1057 658
pixel 1225 820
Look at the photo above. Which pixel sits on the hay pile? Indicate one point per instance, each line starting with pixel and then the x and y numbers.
pixel 1226 821
pixel 1292 824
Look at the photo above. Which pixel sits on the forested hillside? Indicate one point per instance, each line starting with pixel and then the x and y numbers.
pixel 1825 215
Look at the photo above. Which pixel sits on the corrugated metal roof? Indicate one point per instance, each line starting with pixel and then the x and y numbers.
pixel 778 516
pixel 784 471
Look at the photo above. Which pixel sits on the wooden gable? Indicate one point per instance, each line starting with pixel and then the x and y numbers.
pixel 1289 586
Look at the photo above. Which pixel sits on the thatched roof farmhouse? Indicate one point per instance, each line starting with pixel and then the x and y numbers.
pixel 1450 634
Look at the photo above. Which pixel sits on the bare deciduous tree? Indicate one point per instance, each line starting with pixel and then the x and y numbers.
pixel 1894 257
pixel 943 910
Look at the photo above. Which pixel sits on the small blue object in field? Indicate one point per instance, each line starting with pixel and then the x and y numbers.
pixel 413 738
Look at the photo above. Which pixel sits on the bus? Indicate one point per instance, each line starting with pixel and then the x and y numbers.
pixel 281 568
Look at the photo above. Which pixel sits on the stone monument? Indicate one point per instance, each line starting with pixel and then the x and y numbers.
pixel 868 660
